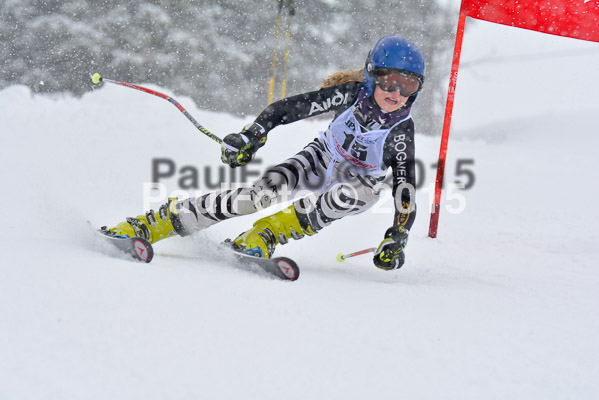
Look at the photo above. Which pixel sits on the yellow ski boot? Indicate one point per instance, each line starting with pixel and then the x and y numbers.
pixel 151 226
pixel 260 241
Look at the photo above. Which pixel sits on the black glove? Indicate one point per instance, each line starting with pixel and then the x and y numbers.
pixel 389 255
pixel 246 143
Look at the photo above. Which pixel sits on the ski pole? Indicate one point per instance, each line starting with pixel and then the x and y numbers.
pixel 271 86
pixel 96 78
pixel 342 257
pixel 286 52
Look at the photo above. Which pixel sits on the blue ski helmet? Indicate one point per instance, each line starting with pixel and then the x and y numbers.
pixel 393 52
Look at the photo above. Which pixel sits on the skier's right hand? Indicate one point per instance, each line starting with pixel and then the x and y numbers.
pixel 246 143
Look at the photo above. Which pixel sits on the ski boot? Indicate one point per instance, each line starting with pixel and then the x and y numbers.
pixel 260 241
pixel 151 226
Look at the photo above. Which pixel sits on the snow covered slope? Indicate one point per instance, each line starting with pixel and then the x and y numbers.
pixel 501 305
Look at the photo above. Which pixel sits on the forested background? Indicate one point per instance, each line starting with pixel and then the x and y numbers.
pixel 217 52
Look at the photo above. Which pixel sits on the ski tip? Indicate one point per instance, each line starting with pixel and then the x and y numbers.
pixel 96 78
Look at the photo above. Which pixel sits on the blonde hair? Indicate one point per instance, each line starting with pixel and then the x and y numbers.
pixel 347 75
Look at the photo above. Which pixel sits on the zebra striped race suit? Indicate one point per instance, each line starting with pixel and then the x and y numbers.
pixel 334 176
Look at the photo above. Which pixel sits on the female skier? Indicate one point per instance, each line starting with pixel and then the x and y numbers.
pixel 372 131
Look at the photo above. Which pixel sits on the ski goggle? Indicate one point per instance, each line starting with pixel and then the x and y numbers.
pixel 392 81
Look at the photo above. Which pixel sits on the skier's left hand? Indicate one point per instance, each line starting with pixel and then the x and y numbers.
pixel 247 143
pixel 389 255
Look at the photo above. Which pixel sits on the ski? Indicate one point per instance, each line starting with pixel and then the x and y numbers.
pixel 282 268
pixel 138 248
